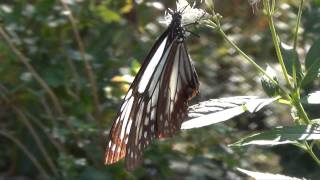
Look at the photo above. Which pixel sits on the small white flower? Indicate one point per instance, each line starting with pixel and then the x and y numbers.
pixel 190 14
pixel 26 76
pixel 253 2
pixel 81 162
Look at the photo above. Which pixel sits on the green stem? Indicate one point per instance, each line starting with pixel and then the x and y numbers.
pixel 33 133
pixel 275 39
pixel 301 112
pixel 297 25
pixel 26 151
pixel 310 151
pixel 245 56
pixel 32 70
pixel 88 67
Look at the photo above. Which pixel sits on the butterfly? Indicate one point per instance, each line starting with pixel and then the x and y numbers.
pixel 156 103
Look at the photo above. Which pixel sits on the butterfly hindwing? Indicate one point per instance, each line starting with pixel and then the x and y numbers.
pixel 180 85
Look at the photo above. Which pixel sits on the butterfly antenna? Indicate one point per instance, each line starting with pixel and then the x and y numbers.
pixel 170 11
pixel 184 8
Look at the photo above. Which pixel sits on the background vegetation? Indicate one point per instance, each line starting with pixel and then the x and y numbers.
pixel 65 66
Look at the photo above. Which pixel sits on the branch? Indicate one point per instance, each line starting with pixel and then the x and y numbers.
pixel 88 67
pixel 34 73
pixel 26 151
pixel 34 134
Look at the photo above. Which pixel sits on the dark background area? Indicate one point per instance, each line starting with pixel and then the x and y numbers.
pixel 116 36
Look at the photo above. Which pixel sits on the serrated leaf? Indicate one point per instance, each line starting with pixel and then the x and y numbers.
pixel 313 54
pixel 270 88
pixel 281 135
pixel 266 176
pixel 291 60
pixel 312 73
pixel 219 110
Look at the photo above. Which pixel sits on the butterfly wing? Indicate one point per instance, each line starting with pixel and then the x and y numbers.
pixel 121 127
pixel 161 113
pixel 179 85
pixel 156 102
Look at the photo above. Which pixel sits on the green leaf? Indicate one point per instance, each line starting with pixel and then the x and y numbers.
pixel 315 121
pixel 269 87
pixel 313 55
pixel 107 14
pixel 135 66
pixel 312 63
pixel 91 173
pixel 218 110
pixel 282 135
pixel 260 175
pixel 291 60
pixel 312 98
pixel 312 73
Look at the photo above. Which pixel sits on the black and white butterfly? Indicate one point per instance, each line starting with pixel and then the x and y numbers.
pixel 157 101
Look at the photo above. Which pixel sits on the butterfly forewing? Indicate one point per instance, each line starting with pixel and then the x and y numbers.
pixel 156 103
pixel 120 130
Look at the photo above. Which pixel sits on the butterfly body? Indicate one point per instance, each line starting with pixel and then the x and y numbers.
pixel 157 101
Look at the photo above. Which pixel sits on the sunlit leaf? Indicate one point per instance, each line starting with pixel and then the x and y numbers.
pixel 312 98
pixel 107 14
pixel 266 176
pixel 312 73
pixel 127 7
pixel 281 135
pixel 125 78
pixel 219 110
pixel 313 54
pixel 312 64
pixel 315 121
pixel 135 66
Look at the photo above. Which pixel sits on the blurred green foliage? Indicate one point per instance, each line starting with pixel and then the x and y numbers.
pixel 116 35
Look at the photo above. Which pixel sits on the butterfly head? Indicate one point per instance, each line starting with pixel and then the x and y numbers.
pixel 176 28
pixel 176 19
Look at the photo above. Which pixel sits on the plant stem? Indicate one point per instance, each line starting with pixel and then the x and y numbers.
pixel 33 133
pixel 34 73
pixel 88 67
pixel 26 151
pixel 245 56
pixel 43 127
pixel 275 39
pixel 310 151
pixel 301 112
pixel 297 25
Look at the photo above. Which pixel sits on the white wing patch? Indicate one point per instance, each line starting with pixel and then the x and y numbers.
pixel 174 74
pixel 159 70
pixel 151 67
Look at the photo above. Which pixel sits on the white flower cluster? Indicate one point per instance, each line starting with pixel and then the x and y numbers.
pixel 190 13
